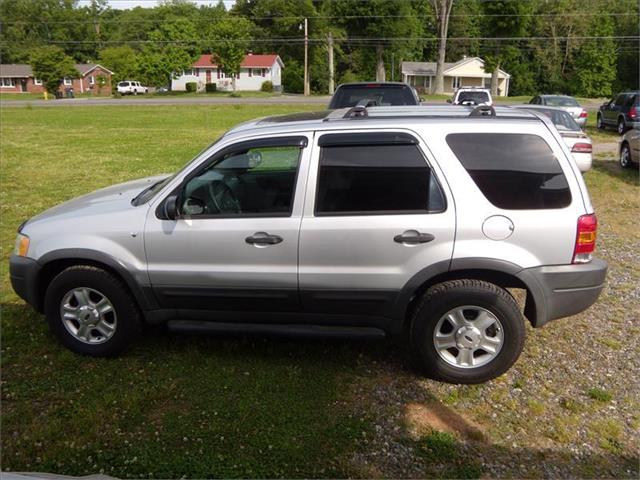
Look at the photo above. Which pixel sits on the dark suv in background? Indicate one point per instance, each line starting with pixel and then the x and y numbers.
pixel 370 94
pixel 621 112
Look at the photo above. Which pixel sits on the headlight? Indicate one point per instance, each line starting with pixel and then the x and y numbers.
pixel 22 245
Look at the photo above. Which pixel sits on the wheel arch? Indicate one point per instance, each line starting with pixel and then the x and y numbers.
pixel 55 262
pixel 501 273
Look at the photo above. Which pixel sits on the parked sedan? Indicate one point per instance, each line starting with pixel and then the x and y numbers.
pixel 621 112
pixel 630 149
pixel 565 102
pixel 578 142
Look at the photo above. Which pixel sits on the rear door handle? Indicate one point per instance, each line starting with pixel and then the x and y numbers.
pixel 413 237
pixel 263 238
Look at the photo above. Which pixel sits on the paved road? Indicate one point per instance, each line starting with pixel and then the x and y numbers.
pixel 171 100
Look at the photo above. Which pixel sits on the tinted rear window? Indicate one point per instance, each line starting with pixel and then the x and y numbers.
pixel 390 95
pixel 473 97
pixel 513 171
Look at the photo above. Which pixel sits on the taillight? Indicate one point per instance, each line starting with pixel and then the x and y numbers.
pixel 633 113
pixel 585 238
pixel 584 114
pixel 582 148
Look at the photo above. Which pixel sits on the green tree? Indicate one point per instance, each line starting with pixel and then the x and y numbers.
pixel 504 19
pixel 594 69
pixel 122 61
pixel 172 44
pixel 229 41
pixel 51 65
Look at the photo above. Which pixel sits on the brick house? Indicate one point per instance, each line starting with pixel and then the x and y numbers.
pixel 18 78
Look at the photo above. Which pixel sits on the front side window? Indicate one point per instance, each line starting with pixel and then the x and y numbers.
pixel 620 100
pixel 513 171
pixel 256 181
pixel 375 179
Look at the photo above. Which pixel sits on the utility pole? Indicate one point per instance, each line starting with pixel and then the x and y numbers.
pixel 306 59
pixel 330 46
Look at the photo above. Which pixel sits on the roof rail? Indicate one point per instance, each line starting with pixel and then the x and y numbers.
pixel 483 111
pixel 357 112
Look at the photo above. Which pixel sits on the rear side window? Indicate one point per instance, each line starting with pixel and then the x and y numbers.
pixel 376 180
pixel 513 171
pixel 631 101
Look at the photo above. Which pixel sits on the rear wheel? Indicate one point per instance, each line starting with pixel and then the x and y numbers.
pixel 622 126
pixel 91 311
pixel 467 331
pixel 625 156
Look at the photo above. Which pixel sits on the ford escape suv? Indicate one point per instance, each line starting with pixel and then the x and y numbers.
pixel 412 222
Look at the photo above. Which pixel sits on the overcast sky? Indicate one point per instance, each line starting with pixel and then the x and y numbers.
pixel 122 4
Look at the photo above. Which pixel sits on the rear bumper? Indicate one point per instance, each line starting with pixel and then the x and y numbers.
pixel 563 290
pixel 24 279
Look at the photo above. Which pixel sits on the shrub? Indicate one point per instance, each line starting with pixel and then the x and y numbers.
pixel 235 95
pixel 210 87
pixel 266 86
pixel 293 78
pixel 191 86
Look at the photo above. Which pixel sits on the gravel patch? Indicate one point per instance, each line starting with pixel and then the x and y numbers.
pixel 569 408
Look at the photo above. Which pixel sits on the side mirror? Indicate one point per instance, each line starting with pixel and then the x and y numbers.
pixel 171 207
pixel 449 100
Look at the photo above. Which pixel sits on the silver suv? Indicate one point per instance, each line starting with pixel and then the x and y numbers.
pixel 411 222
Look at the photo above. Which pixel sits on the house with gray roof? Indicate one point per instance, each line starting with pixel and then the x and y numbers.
pixel 468 72
pixel 18 78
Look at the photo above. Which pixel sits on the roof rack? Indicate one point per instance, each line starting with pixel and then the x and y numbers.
pixel 357 112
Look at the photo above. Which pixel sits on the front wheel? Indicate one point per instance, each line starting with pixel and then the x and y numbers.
pixel 91 311
pixel 467 331
pixel 599 122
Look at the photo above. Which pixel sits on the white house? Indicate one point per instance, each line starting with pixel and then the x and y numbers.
pixel 255 69
pixel 467 72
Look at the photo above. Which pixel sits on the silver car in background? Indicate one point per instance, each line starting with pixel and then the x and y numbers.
pixel 565 102
pixel 630 149
pixel 578 142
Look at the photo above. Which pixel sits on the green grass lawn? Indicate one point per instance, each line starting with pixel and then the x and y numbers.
pixel 201 406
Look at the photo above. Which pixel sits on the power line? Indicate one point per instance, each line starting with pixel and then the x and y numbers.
pixel 310 17
pixel 349 40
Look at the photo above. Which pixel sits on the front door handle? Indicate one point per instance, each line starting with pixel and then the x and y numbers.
pixel 413 237
pixel 263 238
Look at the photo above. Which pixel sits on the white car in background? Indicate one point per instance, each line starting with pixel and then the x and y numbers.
pixel 578 142
pixel 471 96
pixel 565 102
pixel 131 87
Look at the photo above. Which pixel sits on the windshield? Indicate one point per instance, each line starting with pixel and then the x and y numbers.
pixel 376 94
pixel 473 97
pixel 561 102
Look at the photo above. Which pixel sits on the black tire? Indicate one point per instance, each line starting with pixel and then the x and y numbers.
pixel 444 297
pixel 622 126
pixel 625 156
pixel 600 123
pixel 125 309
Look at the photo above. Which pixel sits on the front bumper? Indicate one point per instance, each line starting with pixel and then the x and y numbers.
pixel 563 290
pixel 24 279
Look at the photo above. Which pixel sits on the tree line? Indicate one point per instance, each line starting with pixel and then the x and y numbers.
pixel 580 47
